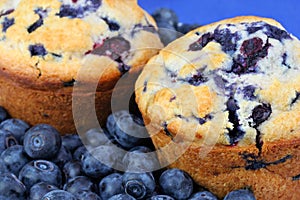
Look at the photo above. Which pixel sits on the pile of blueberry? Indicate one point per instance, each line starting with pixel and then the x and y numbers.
pixel 169 26
pixel 37 163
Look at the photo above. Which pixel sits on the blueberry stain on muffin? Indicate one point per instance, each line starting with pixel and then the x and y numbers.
pixel 7 12
pixel 276 33
pixel 249 91
pixel 261 113
pixel 112 25
pixel 226 38
pixel 7 22
pixel 296 98
pixel 79 11
pixel 42 14
pixel 201 42
pixel 37 50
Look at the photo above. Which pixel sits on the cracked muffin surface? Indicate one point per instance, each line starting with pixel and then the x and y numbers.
pixel 231 86
pixel 50 46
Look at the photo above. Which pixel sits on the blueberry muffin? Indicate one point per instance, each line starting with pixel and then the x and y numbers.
pixel 222 103
pixel 45 45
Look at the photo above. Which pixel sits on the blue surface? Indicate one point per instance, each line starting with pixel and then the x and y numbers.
pixel 287 12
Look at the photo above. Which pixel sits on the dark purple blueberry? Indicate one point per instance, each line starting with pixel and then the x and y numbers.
pixel 8 22
pixel 71 141
pixel 37 50
pixel 248 92
pixel 261 113
pixel 6 140
pixel 11 187
pixel 95 137
pixel 3 114
pixel 197 79
pixel 62 157
pixel 252 28
pixel 6 12
pixel 79 152
pixel 227 39
pixel 40 171
pixel 112 47
pixel 37 191
pixel 165 15
pixel 140 159
pixel 242 194
pixel 122 197
pixel 139 185
pixel 3 168
pixel 58 195
pixel 185 28
pixel 124 130
pixel 92 167
pixel 296 98
pixel 79 183
pixel 276 33
pixel 251 46
pixel 111 185
pixel 203 195
pixel 17 127
pixel 42 142
pixel 72 169
pixel 69 11
pixel 35 25
pixel 176 183
pixel 112 25
pixel 86 195
pixel 14 158
pixel 161 197
pixel 201 42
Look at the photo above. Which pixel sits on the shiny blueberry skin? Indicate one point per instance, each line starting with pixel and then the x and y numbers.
pixel 58 195
pixel 11 187
pixel 3 114
pixel 242 194
pixel 79 152
pixel 125 131
pixel 86 195
pixel 71 141
pixel 42 141
pixel 176 183
pixel 72 169
pixel 92 167
pixel 79 183
pixel 122 197
pixel 62 157
pixel 37 191
pixel 95 137
pixel 16 126
pixel 203 195
pixel 6 140
pixel 139 185
pixel 161 197
pixel 111 185
pixel 14 158
pixel 40 171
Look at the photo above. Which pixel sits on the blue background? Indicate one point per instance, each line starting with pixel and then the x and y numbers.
pixel 287 12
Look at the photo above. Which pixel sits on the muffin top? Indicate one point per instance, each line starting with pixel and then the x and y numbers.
pixel 235 82
pixel 44 43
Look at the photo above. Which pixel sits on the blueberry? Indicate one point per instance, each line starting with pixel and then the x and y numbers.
pixel 79 183
pixel 71 141
pixel 37 50
pixel 111 185
pixel 201 42
pixel 167 32
pixel 95 137
pixel 261 113
pixel 276 33
pixel 139 185
pixel 72 169
pixel 112 25
pixel 42 142
pixel 14 158
pixel 8 22
pixel 40 171
pixel 3 168
pixel 69 11
pixel 176 183
pixel 79 152
pixel 125 131
pixel 227 39
pixel 93 167
pixel 165 15
pixel 3 114
pixel 62 157
pixel 249 91
pixel 141 159
pixel 197 79
pixel 251 46
pixel 161 197
pixel 35 25
pixel 37 191
pixel 122 197
pixel 203 195
pixel 6 140
pixel 242 194
pixel 185 28
pixel 16 126
pixel 84 195
pixel 11 187
pixel 58 195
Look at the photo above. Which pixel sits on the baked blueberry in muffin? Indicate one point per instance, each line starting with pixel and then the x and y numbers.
pixel 222 103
